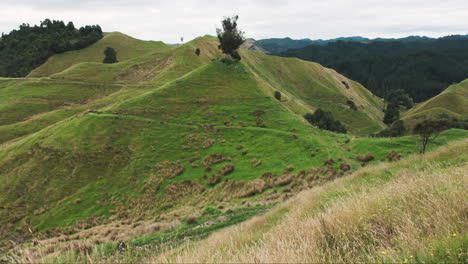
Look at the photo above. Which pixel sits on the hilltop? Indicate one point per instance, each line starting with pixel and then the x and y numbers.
pixel 168 145
pixel 451 103
pixel 126 47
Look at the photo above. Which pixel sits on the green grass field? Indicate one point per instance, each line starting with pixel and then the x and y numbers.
pixel 165 133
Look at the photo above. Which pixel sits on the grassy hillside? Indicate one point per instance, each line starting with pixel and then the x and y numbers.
pixel 451 103
pixel 126 47
pixel 406 212
pixel 128 152
pixel 377 214
pixel 308 86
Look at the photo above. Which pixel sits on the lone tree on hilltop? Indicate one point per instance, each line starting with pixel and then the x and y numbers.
pixel 197 51
pixel 230 37
pixel 110 55
pixel 428 130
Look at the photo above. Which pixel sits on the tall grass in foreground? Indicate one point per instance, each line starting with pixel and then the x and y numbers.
pixel 419 215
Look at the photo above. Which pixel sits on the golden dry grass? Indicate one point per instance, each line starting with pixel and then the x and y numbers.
pixel 422 203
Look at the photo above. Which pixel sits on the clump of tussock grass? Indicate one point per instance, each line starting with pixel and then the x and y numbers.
pixel 252 188
pixel 394 156
pixel 216 178
pixel 256 162
pixel 214 159
pixel 345 166
pixel 365 157
pixel 169 169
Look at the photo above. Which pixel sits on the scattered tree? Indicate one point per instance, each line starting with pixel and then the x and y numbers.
pixel 352 105
pixel 197 51
pixel 325 120
pixel 230 37
pixel 399 97
pixel 392 113
pixel 110 56
pixel 429 130
pixel 277 95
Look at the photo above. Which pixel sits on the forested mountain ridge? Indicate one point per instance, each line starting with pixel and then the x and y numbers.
pixel 24 49
pixel 422 68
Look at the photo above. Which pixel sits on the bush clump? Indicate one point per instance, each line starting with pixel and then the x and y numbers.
pixel 352 105
pixel 325 120
pixel 366 157
pixel 192 220
pixel 394 156
pixel 277 95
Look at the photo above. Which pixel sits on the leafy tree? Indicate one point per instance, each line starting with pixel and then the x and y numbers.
pixel 277 95
pixel 392 113
pixel 110 55
pixel 197 51
pixel 70 26
pixel 325 120
pixel 429 130
pixel 230 37
pixel 399 97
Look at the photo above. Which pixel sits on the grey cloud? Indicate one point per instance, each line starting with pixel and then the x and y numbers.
pixel 168 20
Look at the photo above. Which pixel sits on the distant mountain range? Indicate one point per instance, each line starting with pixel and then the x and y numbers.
pixel 276 45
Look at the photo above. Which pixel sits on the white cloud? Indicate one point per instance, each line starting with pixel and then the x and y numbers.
pixel 168 20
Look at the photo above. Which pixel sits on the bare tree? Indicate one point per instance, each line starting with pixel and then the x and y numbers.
pixel 429 130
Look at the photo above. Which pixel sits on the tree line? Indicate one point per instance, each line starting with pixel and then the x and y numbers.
pixel 26 48
pixel 422 68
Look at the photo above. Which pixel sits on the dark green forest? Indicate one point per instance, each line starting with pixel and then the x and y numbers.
pixel 24 49
pixel 422 68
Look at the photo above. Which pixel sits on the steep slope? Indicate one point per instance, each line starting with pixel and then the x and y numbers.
pixel 451 103
pixel 154 68
pixel 126 47
pixel 88 86
pixel 309 86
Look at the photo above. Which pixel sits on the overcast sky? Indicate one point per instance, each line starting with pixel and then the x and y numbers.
pixel 168 20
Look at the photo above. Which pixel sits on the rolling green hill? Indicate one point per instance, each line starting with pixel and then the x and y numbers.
pixel 126 47
pixel 112 152
pixel 451 103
